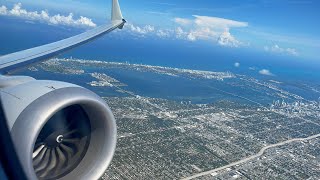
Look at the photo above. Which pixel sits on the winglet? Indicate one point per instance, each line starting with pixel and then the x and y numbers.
pixel 14 61
pixel 116 14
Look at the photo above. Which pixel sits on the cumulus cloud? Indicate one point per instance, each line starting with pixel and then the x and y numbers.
pixel 237 64
pixel 199 28
pixel 266 72
pixel 180 33
pixel 226 39
pixel 44 16
pixel 148 30
pixel 140 30
pixel 277 49
pixel 163 33
pixel 3 10
pixel 209 28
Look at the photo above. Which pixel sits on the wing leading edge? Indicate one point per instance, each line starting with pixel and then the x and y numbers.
pixel 11 62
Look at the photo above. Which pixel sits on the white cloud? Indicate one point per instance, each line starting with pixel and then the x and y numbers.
pixel 163 33
pixel 44 16
pixel 180 33
pixel 200 28
pixel 140 30
pixel 226 39
pixel 192 36
pixel 266 72
pixel 292 51
pixel 277 49
pixel 182 21
pixel 236 64
pixel 3 10
pixel 201 34
pixel 148 30
pixel 209 28
pixel 218 23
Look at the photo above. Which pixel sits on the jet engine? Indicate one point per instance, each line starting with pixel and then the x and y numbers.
pixel 60 130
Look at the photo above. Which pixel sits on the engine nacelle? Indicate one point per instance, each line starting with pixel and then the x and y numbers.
pixel 60 130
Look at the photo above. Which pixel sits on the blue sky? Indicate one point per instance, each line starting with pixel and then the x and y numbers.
pixel 284 27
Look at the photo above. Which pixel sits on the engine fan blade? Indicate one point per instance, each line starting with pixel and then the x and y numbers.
pixel 59 150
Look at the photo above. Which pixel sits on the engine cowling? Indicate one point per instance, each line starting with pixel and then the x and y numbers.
pixel 60 130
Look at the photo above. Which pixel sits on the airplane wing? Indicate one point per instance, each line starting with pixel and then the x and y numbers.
pixel 11 62
pixel 59 130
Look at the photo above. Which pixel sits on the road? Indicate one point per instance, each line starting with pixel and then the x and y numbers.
pixel 260 153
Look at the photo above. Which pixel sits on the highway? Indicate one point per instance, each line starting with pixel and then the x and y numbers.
pixel 260 153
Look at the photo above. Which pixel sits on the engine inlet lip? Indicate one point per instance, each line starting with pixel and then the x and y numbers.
pixel 32 119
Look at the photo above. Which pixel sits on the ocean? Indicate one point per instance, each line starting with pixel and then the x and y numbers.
pixel 296 74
